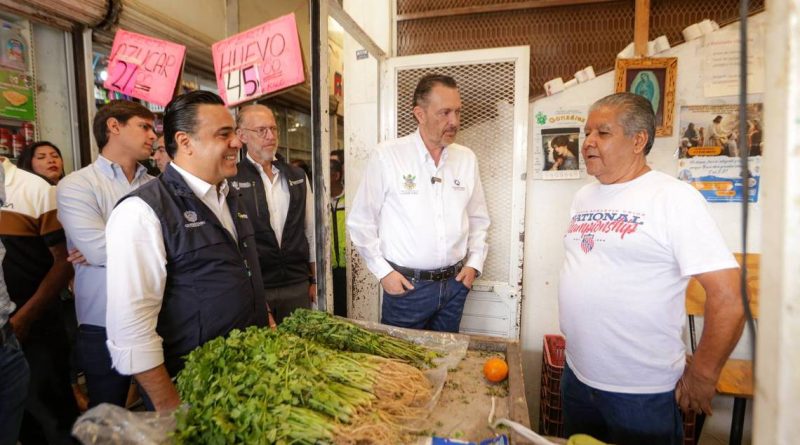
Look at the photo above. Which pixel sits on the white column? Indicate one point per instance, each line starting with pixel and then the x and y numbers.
pixel 777 397
pixel 361 134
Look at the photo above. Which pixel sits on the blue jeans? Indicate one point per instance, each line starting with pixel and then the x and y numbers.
pixel 431 305
pixel 621 419
pixel 104 383
pixel 13 389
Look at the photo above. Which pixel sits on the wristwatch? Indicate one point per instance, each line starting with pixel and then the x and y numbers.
pixel 312 280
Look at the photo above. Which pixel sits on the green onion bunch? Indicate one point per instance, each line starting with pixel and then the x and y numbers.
pixel 336 333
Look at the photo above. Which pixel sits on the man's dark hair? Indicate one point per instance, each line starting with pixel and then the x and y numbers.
pixel 426 84
pixel 635 114
pixel 181 115
pixel 121 110
pixel 336 166
pixel 338 154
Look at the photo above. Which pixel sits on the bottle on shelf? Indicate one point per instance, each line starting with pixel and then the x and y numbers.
pixel 5 142
pixel 27 131
pixel 17 144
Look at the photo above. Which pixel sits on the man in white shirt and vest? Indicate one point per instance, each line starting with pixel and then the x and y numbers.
pixel 419 217
pixel 635 239
pixel 278 200
pixel 181 255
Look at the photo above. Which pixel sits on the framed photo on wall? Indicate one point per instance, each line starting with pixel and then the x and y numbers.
pixel 653 79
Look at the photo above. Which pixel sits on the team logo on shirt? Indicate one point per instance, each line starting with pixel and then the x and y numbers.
pixel 587 242
pixel 409 183
pixel 457 185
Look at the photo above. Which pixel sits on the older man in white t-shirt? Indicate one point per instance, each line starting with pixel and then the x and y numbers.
pixel 634 240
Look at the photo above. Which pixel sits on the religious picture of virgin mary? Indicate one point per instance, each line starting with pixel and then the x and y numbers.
pixel 648 83
pixel 653 79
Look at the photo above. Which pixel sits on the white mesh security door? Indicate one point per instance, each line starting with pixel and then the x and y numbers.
pixel 494 123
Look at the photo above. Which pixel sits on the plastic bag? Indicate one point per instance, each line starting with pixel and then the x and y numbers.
pixel 111 424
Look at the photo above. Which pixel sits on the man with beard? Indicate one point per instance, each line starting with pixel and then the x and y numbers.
pixel 278 201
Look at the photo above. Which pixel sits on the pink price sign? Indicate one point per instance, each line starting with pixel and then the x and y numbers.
pixel 259 61
pixel 144 67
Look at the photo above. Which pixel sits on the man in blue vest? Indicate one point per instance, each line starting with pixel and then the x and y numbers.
pixel 278 201
pixel 181 253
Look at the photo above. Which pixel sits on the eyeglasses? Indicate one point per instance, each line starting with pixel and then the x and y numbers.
pixel 262 131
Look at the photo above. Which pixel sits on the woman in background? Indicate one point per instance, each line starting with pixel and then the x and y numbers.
pixel 44 159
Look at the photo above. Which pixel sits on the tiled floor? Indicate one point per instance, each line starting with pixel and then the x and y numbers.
pixel 716 430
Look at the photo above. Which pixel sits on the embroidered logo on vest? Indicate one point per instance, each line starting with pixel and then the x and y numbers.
pixel 192 218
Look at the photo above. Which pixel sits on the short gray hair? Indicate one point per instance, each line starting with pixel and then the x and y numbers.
pixel 635 114
pixel 243 110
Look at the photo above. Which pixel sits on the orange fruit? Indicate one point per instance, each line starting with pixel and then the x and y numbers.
pixel 495 369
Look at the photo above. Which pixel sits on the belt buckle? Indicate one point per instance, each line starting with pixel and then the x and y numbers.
pixel 437 276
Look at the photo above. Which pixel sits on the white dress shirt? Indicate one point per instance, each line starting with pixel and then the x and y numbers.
pixel 277 192
pixel 85 201
pixel 137 274
pixel 416 214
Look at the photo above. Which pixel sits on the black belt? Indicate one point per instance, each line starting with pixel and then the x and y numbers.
pixel 445 273
pixel 5 333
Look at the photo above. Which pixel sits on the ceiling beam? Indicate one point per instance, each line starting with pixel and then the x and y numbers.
pixel 641 30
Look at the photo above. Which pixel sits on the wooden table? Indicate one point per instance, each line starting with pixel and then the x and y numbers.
pixel 464 405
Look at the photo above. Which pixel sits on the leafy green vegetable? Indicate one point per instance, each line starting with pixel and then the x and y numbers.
pixel 259 386
pixel 336 333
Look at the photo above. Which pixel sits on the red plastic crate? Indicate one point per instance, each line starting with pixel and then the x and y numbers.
pixel 551 420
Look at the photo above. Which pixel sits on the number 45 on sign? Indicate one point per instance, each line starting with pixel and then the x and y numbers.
pixel 241 85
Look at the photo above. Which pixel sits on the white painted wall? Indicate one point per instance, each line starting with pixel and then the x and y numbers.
pixel 548 204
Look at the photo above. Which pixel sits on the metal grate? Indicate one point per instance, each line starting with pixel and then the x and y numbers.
pixel 408 6
pixel 563 39
pixel 487 97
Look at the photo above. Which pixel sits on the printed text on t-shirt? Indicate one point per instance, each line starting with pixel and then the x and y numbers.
pixel 605 222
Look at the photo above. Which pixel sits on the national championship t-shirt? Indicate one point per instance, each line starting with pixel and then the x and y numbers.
pixel 630 251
